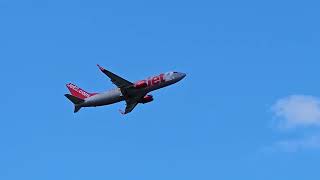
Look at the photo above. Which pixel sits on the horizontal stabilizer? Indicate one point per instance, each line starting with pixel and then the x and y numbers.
pixel 73 99
pixel 76 101
pixel 76 108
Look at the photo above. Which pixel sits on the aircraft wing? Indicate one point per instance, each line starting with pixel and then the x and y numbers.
pixel 130 106
pixel 132 103
pixel 115 79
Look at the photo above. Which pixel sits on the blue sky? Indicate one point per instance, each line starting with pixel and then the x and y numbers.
pixel 248 109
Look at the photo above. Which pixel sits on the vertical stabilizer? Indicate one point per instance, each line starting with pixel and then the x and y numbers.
pixel 78 92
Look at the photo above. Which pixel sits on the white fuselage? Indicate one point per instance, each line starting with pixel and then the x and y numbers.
pixel 115 95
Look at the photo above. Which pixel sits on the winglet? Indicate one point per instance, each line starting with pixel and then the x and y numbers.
pixel 122 112
pixel 117 80
pixel 100 67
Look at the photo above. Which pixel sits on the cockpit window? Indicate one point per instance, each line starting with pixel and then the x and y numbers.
pixel 169 76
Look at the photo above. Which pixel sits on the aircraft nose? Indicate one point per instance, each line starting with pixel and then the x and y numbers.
pixel 182 75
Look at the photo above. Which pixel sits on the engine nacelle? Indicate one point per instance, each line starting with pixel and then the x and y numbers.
pixel 141 84
pixel 146 99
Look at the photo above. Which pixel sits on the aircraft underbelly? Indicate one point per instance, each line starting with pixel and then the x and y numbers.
pixel 107 98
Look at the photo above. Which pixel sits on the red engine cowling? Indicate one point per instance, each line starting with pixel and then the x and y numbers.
pixel 141 84
pixel 146 99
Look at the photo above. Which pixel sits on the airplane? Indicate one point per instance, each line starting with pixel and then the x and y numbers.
pixel 133 93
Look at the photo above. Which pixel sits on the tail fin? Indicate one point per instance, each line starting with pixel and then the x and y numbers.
pixel 76 101
pixel 78 92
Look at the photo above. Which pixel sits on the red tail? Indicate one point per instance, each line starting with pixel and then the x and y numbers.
pixel 78 92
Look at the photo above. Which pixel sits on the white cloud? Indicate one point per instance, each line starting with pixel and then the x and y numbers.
pixel 294 145
pixel 297 111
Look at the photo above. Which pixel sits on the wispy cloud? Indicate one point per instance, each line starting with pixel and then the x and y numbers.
pixel 294 145
pixel 297 111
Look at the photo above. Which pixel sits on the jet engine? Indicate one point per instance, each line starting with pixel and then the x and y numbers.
pixel 140 84
pixel 146 99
